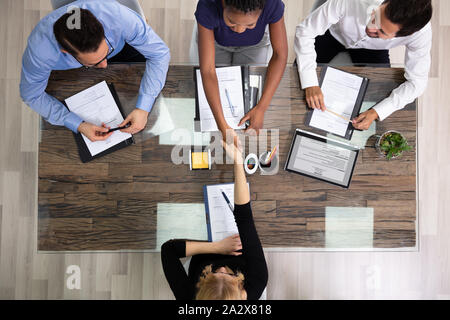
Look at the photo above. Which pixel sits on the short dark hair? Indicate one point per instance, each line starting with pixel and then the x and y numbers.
pixel 411 15
pixel 246 5
pixel 86 38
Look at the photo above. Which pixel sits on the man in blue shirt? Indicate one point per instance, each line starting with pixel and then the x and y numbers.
pixel 105 28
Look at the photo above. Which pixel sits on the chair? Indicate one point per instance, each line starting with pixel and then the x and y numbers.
pixel 193 49
pixel 342 58
pixel 132 4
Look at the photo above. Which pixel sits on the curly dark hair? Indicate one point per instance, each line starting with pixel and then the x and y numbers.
pixel 246 5
pixel 411 15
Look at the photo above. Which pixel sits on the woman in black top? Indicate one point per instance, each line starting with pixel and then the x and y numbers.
pixel 234 268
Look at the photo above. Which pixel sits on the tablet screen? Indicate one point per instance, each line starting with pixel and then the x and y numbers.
pixel 321 158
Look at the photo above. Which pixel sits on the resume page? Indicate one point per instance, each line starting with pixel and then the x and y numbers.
pixel 96 105
pixel 323 160
pixel 340 91
pixel 231 91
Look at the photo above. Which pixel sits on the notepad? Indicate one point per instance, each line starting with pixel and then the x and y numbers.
pixel 230 81
pixel 343 95
pixel 200 159
pixel 96 105
pixel 220 219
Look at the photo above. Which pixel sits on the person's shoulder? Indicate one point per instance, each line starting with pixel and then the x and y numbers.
pixel 423 36
pixel 41 42
pixel 109 10
pixel 427 30
pixel 273 10
pixel 209 6
pixel 273 5
pixel 208 13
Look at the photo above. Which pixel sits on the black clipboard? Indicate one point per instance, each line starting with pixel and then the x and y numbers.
pixel 300 133
pixel 83 150
pixel 249 93
pixel 356 109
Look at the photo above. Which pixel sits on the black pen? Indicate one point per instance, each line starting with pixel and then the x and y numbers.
pixel 119 128
pixel 227 200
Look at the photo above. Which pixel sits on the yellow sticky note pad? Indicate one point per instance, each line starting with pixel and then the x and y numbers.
pixel 200 160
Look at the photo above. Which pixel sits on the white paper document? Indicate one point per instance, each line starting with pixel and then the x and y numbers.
pixel 221 219
pixel 323 160
pixel 340 90
pixel 230 81
pixel 96 105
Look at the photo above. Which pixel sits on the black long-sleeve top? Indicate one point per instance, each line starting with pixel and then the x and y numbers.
pixel 251 263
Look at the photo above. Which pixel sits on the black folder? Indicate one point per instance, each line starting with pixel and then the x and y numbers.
pixel 83 150
pixel 250 95
pixel 356 109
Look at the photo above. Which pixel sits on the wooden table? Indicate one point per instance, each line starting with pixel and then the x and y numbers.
pixel 111 203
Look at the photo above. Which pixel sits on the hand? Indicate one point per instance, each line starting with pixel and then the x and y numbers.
pixel 137 118
pixel 364 120
pixel 256 117
pixel 229 135
pixel 234 150
pixel 229 246
pixel 93 132
pixel 314 98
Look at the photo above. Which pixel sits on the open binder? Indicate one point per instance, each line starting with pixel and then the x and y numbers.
pixel 357 106
pixel 250 93
pixel 83 150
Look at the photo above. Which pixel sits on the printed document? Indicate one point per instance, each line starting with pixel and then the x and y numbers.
pixel 230 82
pixel 323 160
pixel 340 90
pixel 96 105
pixel 221 219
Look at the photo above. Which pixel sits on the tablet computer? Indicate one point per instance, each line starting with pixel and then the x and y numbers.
pixel 322 158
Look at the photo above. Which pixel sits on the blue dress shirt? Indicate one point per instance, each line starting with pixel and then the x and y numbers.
pixel 122 25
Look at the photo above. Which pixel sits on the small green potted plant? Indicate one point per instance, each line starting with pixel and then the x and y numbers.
pixel 392 144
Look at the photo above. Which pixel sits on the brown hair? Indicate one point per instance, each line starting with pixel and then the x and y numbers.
pixel 210 287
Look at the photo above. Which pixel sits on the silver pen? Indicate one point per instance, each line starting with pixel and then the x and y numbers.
pixel 229 102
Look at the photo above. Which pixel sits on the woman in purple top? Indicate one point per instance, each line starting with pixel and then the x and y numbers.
pixel 237 32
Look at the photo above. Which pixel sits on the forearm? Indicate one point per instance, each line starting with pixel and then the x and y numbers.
pixel 53 111
pixel 139 35
pixel 399 98
pixel 199 247
pixel 32 92
pixel 154 78
pixel 316 24
pixel 417 68
pixel 241 193
pixel 275 72
pixel 306 61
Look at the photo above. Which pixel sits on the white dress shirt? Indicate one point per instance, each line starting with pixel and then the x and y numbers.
pixel 347 21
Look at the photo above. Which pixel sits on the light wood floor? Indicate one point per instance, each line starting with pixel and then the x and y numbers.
pixel 25 274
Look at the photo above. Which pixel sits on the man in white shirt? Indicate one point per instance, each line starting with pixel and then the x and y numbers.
pixel 367 29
